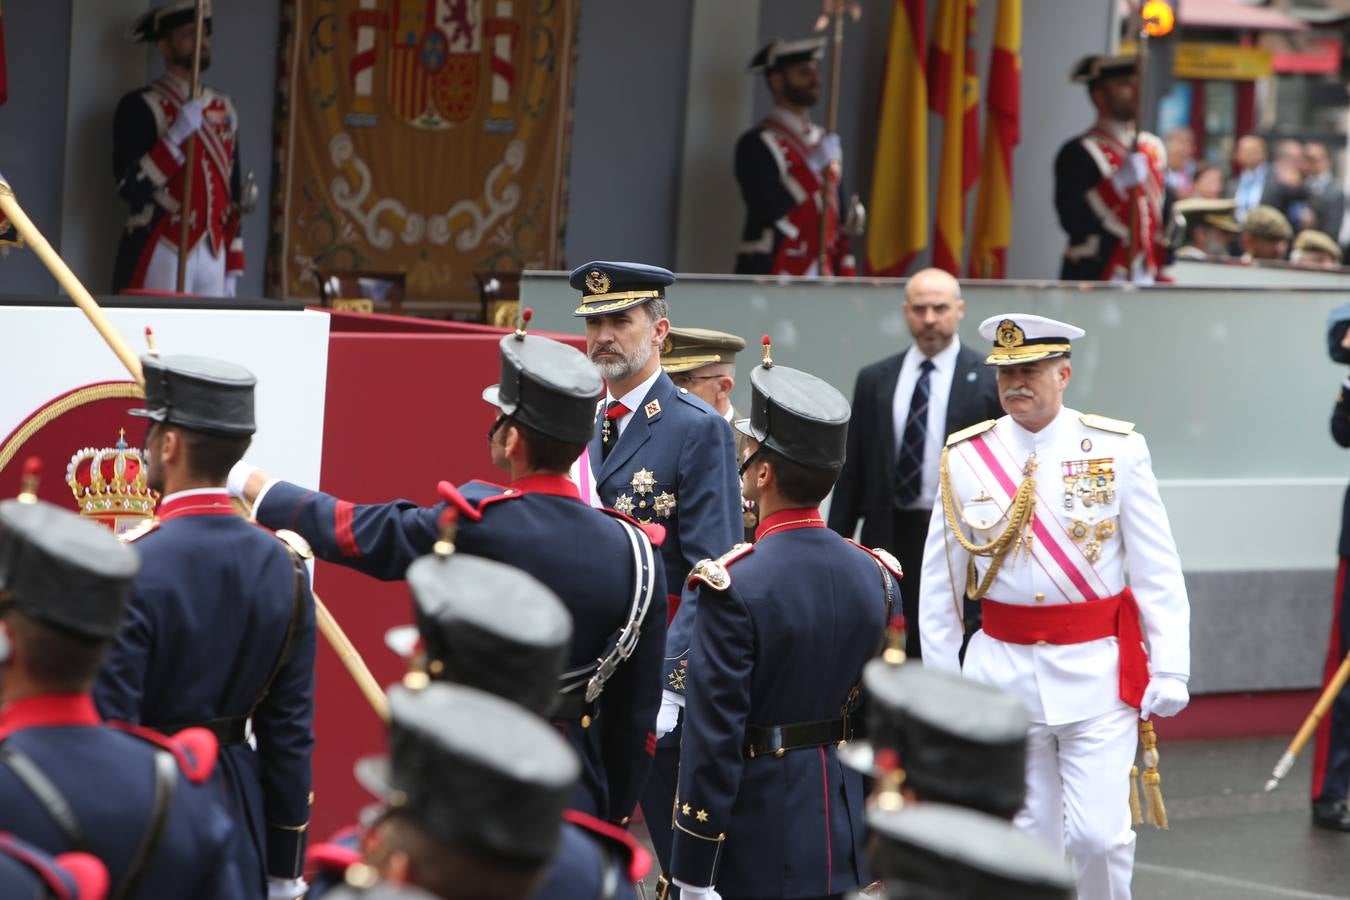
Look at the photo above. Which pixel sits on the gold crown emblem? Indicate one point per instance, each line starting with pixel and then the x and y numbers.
pixel 597 282
pixel 110 485
pixel 1009 335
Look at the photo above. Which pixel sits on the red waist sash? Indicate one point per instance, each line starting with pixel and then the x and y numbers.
pixel 1077 623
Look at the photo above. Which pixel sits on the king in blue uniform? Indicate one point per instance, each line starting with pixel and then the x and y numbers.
pixel 139 801
pixel 220 629
pixel 765 807
pixel 661 454
pixel 599 562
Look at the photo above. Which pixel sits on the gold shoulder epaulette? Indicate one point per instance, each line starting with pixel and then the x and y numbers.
pixel 1106 423
pixel 299 546
pixel 713 572
pixel 135 534
pixel 887 559
pixel 966 434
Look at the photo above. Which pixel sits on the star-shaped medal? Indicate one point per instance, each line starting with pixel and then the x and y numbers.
pixel 664 504
pixel 643 481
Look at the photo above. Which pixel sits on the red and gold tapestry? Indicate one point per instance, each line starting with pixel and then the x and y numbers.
pixel 422 137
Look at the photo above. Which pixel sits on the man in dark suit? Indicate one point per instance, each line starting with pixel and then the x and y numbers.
pixel 903 408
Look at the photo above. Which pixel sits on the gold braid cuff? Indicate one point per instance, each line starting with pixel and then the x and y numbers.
pixel 1019 515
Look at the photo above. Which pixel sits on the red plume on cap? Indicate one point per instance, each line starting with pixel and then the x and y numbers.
pixel 32 474
pixel 524 322
pixel 150 341
pixel 768 358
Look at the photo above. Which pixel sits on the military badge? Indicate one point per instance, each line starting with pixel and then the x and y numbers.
pixel 1090 482
pixel 652 408
pixel 597 282
pixel 1009 335
pixel 624 504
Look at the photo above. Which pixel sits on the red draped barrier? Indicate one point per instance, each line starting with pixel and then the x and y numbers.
pixel 404 409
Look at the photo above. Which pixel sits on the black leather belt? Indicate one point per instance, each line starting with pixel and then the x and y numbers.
pixel 776 740
pixel 573 706
pixel 229 732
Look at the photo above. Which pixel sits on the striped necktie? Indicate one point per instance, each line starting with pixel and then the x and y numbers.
pixel 909 466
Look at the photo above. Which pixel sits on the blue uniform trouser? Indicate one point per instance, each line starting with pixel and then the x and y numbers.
pixel 658 794
pixel 1331 760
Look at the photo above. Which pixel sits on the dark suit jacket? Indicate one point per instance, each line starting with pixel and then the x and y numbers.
pixel 866 486
pixel 1340 430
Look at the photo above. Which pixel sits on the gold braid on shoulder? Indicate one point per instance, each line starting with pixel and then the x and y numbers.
pixel 1019 515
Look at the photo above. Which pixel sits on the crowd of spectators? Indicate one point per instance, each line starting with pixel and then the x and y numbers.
pixel 1285 206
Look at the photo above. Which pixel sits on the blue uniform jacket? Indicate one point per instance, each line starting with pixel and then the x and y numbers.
pixel 540 525
pixel 675 465
pixel 107 777
pixel 784 643
pixel 206 624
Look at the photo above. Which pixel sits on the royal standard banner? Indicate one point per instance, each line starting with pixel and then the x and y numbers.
pixel 423 137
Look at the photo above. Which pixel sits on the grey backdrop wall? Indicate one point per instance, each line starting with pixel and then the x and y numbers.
pixel 661 95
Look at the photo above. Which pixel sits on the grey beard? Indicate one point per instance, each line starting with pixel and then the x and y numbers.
pixel 617 371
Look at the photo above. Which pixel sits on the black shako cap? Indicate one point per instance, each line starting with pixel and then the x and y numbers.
pixel 475 770
pixel 62 570
pixel 798 416
pixel 958 741
pixel 548 386
pixel 198 393
pixel 931 851
pixel 491 626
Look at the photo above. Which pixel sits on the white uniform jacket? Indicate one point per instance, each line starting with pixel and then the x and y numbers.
pixel 1099 525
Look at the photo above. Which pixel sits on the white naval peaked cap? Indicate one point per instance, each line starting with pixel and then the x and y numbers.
pixel 1019 338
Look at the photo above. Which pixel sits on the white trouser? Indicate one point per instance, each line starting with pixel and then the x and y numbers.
pixel 205 270
pixel 1078 796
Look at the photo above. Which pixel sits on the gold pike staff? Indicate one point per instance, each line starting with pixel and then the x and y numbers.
pixel 1319 711
pixel 332 632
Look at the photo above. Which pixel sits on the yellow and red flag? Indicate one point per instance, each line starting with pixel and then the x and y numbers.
pixel 1002 130
pixel 899 204
pixel 954 94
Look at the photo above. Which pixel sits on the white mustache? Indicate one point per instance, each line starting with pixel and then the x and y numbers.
pixel 1010 393
pixel 609 348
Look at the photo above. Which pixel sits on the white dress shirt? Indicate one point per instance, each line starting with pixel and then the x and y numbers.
pixel 633 400
pixel 939 391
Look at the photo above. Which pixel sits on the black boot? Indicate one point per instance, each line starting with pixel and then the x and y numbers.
pixel 1333 815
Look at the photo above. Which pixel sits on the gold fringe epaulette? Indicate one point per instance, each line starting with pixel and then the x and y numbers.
pixel 1106 423
pixel 713 572
pixel 135 534
pixel 966 434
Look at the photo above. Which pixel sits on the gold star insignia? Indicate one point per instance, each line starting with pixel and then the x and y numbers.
pixel 676 679
pixel 624 504
pixel 701 815
pixel 664 504
pixel 643 481
pixel 686 809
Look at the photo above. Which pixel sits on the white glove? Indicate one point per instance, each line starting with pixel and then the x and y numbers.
pixel 189 120
pixel 829 150
pixel 239 475
pixel 668 717
pixel 1165 696
pixel 703 893
pixel 285 888
pixel 1132 172
pixel 231 284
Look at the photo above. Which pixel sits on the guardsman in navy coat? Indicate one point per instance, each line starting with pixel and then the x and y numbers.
pixel 475 788
pixel 141 802
pixel 935 737
pixel 1331 756
pixel 27 872
pixel 662 455
pixel 497 629
pixel 936 850
pixel 599 562
pixel 220 628
pixel 765 806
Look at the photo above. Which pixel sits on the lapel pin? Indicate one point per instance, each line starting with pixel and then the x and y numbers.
pixel 652 408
